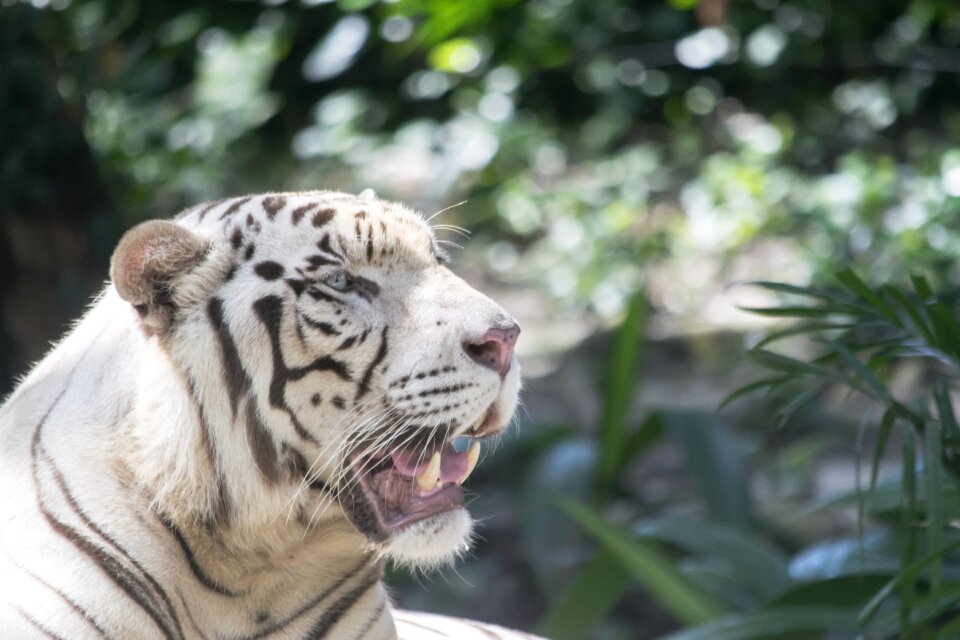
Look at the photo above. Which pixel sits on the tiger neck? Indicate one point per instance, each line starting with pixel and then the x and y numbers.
pixel 243 536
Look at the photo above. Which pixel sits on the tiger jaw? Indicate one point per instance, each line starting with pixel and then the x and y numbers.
pixel 399 487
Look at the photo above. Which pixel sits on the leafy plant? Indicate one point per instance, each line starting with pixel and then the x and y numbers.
pixel 899 575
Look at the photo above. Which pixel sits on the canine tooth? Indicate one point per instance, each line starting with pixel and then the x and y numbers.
pixel 473 454
pixel 430 476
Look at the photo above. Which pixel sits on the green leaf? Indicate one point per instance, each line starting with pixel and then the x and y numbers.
pixel 921 286
pixel 750 560
pixel 713 458
pixel 596 589
pixel 906 576
pixel 768 383
pixel 861 371
pixel 913 311
pixel 935 513
pixel 771 623
pixel 650 567
pixel 842 591
pixel 619 385
pixel 883 434
pixel 852 282
pixel 793 311
pixel 800 329
pixel 651 431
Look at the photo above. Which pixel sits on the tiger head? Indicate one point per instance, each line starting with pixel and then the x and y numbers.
pixel 334 362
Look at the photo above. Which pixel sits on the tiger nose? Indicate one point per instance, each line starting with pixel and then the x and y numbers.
pixel 494 349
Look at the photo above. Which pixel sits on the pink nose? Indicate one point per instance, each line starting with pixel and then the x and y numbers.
pixel 494 349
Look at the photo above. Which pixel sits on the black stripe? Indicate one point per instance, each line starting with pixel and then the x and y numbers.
pixel 270 311
pixel 373 620
pixel 195 568
pixel 67 599
pixel 111 565
pixel 324 245
pixel 190 619
pixel 207 208
pixel 123 577
pixel 222 507
pixel 36 624
pixel 325 327
pixel 232 209
pixel 317 294
pixel 370 243
pixel 364 386
pixel 261 444
pixel 338 609
pixel 299 212
pixel 235 377
pixel 326 593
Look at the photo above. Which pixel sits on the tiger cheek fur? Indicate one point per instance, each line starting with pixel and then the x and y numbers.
pixel 258 411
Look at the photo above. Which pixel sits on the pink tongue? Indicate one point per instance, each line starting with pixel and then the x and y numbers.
pixel 412 462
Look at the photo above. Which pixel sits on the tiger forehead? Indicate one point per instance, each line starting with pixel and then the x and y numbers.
pixel 362 230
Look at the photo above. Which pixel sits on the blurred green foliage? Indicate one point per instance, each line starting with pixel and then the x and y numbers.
pixel 592 138
pixel 623 157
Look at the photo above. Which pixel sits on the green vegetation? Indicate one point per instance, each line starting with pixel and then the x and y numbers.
pixel 897 575
pixel 624 161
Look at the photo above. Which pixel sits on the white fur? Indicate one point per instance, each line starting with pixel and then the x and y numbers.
pixel 137 425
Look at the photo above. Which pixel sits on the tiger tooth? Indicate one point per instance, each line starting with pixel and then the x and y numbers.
pixel 473 454
pixel 430 477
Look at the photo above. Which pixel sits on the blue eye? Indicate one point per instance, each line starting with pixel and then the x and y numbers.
pixel 337 280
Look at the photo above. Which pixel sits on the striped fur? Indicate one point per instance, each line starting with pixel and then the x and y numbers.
pixel 179 465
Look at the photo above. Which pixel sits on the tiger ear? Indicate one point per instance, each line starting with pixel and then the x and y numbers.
pixel 147 262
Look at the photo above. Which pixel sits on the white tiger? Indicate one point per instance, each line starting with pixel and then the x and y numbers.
pixel 254 415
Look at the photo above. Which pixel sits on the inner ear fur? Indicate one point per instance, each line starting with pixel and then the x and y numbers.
pixel 147 262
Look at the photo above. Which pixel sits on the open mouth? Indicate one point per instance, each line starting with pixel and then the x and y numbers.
pixel 415 482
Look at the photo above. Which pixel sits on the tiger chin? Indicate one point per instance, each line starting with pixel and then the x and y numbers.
pixel 273 395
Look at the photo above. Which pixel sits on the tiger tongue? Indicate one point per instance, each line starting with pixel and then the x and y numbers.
pixel 413 462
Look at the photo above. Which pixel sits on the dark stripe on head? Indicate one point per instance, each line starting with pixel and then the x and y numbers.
pixel 222 505
pixel 299 212
pixel 205 209
pixel 261 444
pixel 235 377
pixel 346 344
pixel 298 285
pixel 273 205
pixel 366 288
pixel 233 208
pixel 323 216
pixel 324 327
pixel 338 609
pixel 249 251
pixel 364 385
pixel 195 568
pixel 236 238
pixel 269 270
pixel 270 311
pixel 324 245
pixel 295 461
pixel 318 261
pixel 323 296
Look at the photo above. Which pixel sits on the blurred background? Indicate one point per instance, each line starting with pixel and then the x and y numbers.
pixel 624 165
